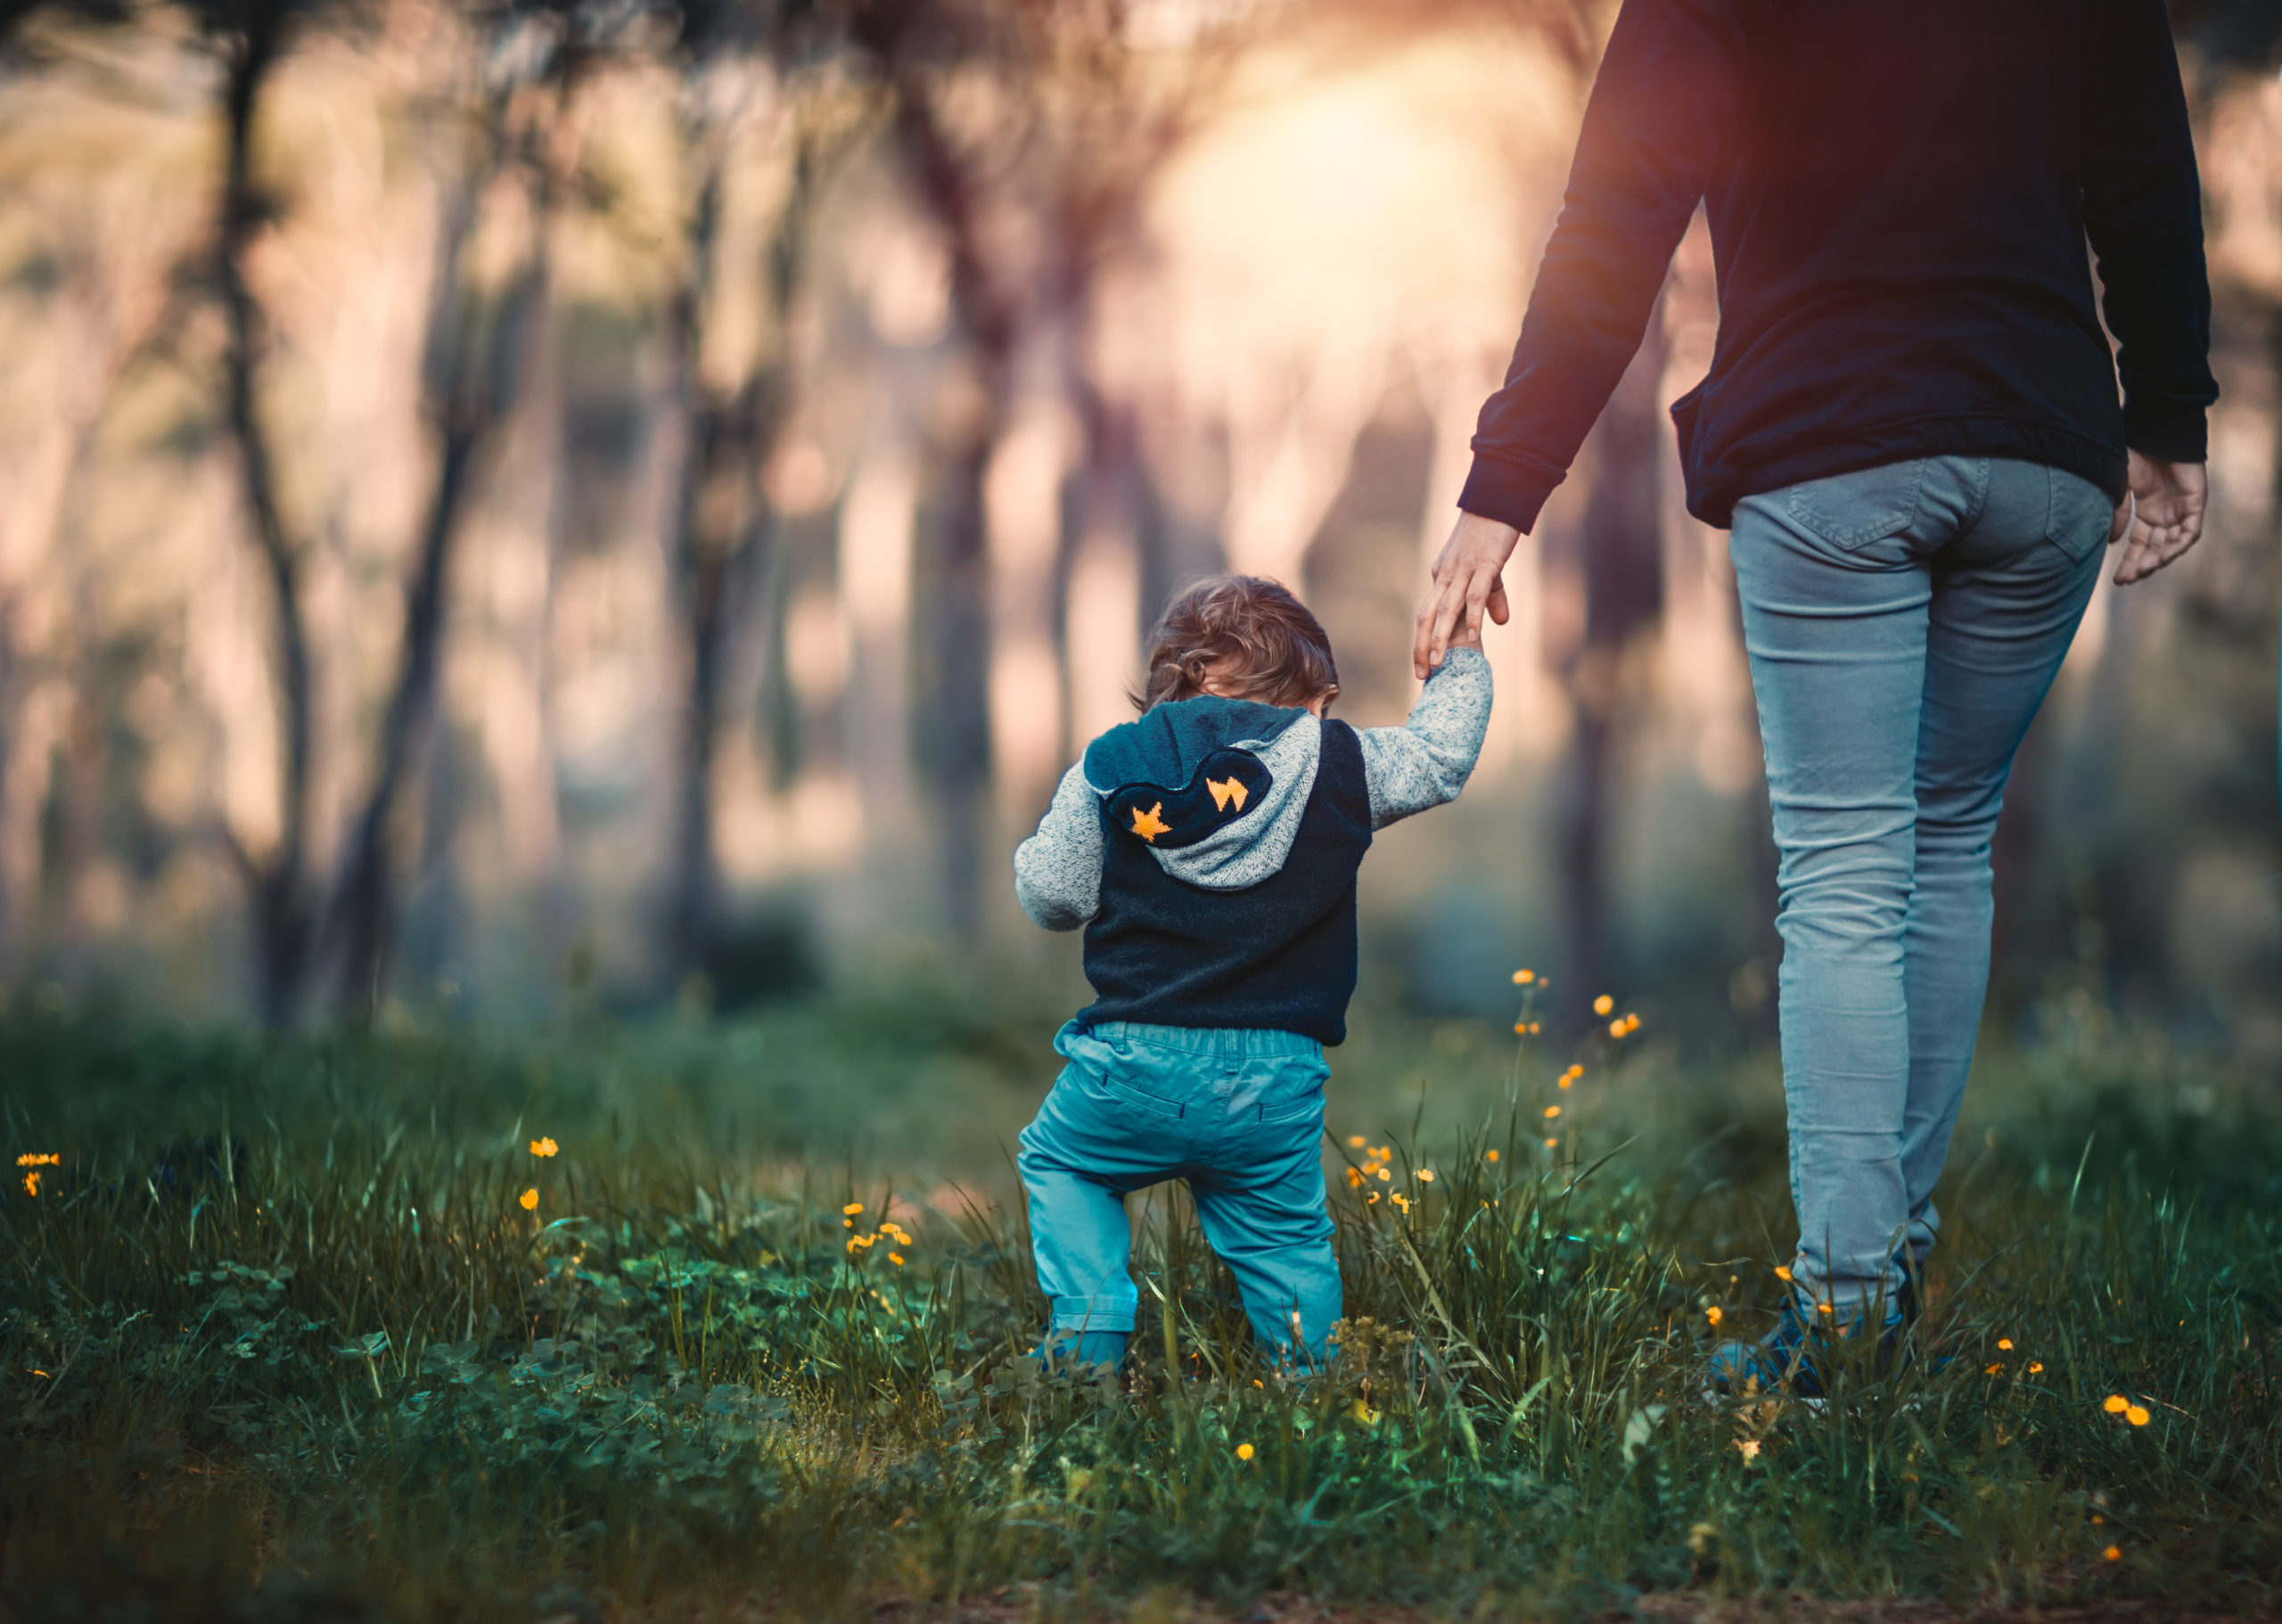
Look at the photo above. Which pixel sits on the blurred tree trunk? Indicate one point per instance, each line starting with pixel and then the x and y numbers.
pixel 723 527
pixel 278 883
pixel 1110 505
pixel 477 345
pixel 707 538
pixel 953 716
pixel 1623 550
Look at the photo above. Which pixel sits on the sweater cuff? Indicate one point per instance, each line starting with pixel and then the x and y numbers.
pixel 2168 430
pixel 1511 493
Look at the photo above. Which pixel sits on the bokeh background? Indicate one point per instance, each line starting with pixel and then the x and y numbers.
pixel 518 514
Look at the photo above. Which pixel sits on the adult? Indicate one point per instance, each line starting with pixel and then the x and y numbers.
pixel 1911 427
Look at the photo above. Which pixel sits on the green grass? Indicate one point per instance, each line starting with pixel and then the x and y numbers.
pixel 278 1339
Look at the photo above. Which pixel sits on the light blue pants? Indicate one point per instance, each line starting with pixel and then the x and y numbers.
pixel 1903 625
pixel 1239 1114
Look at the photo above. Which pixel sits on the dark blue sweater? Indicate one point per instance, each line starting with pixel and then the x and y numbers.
pixel 1900 198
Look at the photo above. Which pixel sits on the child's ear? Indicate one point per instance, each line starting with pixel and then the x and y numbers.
pixel 1321 704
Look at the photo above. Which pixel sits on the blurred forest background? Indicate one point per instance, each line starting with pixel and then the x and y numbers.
pixel 508 509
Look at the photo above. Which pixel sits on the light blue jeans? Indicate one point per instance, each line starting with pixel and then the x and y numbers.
pixel 1239 1114
pixel 1904 624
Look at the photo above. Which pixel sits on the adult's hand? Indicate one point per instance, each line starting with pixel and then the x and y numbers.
pixel 2163 516
pixel 1468 582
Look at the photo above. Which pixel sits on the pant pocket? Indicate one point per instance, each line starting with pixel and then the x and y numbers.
pixel 1136 1078
pixel 2080 515
pixel 1295 1094
pixel 1851 510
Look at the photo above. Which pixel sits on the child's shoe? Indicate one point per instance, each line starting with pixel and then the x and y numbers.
pixel 1083 1352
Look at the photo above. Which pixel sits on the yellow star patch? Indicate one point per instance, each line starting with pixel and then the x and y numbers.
pixel 1150 824
pixel 1223 793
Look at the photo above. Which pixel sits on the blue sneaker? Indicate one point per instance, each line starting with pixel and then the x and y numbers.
pixel 1792 1357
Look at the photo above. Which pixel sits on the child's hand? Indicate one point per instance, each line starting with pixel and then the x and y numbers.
pixel 1465 634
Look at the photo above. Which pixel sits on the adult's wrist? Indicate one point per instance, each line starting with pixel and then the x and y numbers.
pixel 1506 492
pixel 2166 433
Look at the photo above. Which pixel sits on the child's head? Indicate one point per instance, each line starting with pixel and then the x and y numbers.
pixel 1240 637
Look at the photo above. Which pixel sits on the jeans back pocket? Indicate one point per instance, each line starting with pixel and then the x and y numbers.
pixel 2080 514
pixel 1852 510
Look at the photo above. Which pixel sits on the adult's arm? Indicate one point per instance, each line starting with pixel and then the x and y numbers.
pixel 1662 102
pixel 2143 211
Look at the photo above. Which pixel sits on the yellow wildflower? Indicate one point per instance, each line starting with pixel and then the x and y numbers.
pixel 2137 1415
pixel 1385 1177
pixel 1565 1081
pixel 1616 1029
pixel 852 1209
pixel 2004 1344
pixel 2116 1404
pixel 31 1184
pixel 1994 1370
pixel 1712 1313
pixel 1354 1178
pixel 2035 1369
pixel 40 1159
pixel 1427 1175
pixel 1355 1142
pixel 1523 978
pixel 1782 1273
pixel 1552 1111
pixel 530 1198
pixel 1553 1144
pixel 1631 1024
pixel 1603 1005
pixel 1244 1452
pixel 543 1148
pixel 2113 1553
pixel 896 1258
pixel 1749 1448
pixel 1490 1155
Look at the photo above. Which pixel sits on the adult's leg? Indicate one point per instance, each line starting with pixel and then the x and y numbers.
pixel 2008 595
pixel 1834 591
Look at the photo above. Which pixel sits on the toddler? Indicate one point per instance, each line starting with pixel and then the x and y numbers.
pixel 1209 850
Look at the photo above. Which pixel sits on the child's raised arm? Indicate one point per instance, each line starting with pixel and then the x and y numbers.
pixel 1426 761
pixel 1058 870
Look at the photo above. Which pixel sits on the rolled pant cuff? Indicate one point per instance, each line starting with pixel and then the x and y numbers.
pixel 1093 1313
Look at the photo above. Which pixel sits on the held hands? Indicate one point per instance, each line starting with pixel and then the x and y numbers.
pixel 1467 584
pixel 2163 516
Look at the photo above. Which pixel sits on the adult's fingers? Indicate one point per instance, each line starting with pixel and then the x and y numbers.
pixel 1457 605
pixel 1434 615
pixel 2154 545
pixel 2137 549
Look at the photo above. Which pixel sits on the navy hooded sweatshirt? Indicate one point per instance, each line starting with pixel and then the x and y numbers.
pixel 1900 199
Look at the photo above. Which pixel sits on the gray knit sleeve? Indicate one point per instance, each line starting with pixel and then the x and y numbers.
pixel 1058 870
pixel 1426 761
